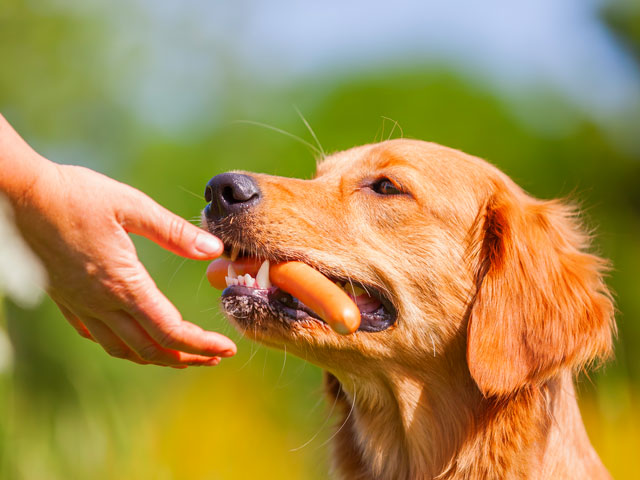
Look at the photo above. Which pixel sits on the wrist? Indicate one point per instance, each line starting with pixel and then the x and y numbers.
pixel 20 165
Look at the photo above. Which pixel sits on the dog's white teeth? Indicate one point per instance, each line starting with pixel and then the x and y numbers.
pixel 262 278
pixel 231 272
pixel 234 253
pixel 231 281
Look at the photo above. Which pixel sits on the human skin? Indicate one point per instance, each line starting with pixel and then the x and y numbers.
pixel 77 222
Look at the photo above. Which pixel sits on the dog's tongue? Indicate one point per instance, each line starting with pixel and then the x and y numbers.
pixel 366 303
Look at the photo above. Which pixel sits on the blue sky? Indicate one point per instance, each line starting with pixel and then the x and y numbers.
pixel 184 50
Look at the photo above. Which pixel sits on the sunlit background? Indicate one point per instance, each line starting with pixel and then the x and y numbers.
pixel 157 94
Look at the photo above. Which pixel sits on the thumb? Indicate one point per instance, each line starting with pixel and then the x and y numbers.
pixel 143 216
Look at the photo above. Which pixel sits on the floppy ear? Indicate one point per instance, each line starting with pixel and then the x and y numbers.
pixel 541 303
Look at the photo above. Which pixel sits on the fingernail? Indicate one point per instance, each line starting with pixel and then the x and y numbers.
pixel 208 244
pixel 227 353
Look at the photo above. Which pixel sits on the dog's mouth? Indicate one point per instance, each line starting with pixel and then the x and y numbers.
pixel 250 297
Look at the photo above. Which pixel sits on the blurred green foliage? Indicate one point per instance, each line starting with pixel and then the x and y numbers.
pixel 623 16
pixel 67 410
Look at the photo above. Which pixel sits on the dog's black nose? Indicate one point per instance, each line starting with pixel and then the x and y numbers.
pixel 230 193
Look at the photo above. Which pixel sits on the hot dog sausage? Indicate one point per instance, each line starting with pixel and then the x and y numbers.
pixel 312 288
pixel 318 293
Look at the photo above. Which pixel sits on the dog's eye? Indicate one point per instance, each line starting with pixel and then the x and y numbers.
pixel 384 186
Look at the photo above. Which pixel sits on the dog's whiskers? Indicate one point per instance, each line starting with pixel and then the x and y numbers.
pixel 264 363
pixel 395 124
pixel 313 134
pixel 253 352
pixel 353 404
pixel 297 374
pixel 204 275
pixel 283 132
pixel 180 265
pixel 199 197
pixel 284 362
pixel 382 286
pixel 324 424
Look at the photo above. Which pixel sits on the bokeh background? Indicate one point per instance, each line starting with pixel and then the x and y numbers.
pixel 158 93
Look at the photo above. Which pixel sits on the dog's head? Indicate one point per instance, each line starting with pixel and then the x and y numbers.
pixel 448 250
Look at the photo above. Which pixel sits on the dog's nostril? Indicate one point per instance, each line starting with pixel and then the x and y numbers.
pixel 227 194
pixel 208 194
pixel 233 195
pixel 230 193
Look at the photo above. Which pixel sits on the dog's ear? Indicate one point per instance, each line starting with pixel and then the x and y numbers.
pixel 541 303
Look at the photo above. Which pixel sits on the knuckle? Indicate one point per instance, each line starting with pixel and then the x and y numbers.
pixel 169 338
pixel 176 230
pixel 129 288
pixel 118 351
pixel 149 352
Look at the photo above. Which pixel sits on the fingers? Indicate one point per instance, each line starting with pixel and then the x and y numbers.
pixel 160 319
pixel 122 337
pixel 164 325
pixel 110 342
pixel 127 329
pixel 75 322
pixel 145 217
pixel 93 280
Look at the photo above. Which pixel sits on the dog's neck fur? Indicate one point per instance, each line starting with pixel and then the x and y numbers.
pixel 419 427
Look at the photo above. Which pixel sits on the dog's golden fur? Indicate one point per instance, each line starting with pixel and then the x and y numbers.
pixel 499 304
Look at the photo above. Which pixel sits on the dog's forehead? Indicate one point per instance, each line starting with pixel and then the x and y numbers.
pixel 432 160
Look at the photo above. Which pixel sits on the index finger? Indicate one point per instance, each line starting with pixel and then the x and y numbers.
pixel 143 216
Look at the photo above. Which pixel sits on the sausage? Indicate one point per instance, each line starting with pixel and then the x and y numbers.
pixel 312 288
pixel 217 270
pixel 317 292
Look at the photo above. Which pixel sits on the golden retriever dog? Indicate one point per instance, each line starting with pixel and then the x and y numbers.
pixel 480 305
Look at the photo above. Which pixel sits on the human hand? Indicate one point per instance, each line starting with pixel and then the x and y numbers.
pixel 77 221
